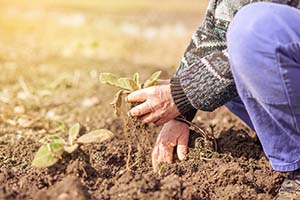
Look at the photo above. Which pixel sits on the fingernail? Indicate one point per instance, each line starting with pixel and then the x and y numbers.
pixel 181 156
pixel 154 170
pixel 180 153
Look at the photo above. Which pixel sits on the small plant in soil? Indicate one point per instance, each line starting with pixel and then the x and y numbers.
pixel 137 133
pixel 126 86
pixel 53 146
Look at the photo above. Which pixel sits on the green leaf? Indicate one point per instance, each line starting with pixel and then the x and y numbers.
pixel 71 149
pixel 60 127
pixel 95 136
pixel 123 83
pixel 52 139
pixel 136 79
pixel 127 84
pixel 117 103
pixel 73 133
pixel 44 157
pixel 110 79
pixel 57 149
pixel 152 80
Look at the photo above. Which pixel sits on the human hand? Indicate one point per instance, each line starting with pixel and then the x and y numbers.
pixel 163 82
pixel 172 133
pixel 157 104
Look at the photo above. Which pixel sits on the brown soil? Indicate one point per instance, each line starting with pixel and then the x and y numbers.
pixel 238 170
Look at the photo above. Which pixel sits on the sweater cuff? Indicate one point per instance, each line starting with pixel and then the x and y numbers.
pixel 181 101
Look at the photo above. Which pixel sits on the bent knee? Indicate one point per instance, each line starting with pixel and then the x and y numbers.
pixel 248 21
pixel 260 20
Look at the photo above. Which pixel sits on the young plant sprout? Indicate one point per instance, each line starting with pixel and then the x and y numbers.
pixel 54 146
pixel 126 85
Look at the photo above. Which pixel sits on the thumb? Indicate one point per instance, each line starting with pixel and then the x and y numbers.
pixel 182 146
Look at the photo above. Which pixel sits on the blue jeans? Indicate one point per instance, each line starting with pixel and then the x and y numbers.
pixel 263 42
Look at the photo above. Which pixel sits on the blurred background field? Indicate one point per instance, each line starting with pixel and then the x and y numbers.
pixel 51 52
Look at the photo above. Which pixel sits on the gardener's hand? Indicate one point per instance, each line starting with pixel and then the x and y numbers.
pixel 163 82
pixel 157 104
pixel 173 133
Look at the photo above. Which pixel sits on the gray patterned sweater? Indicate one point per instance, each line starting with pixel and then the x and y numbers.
pixel 203 80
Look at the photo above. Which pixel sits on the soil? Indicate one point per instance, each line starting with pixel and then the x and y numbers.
pixel 237 170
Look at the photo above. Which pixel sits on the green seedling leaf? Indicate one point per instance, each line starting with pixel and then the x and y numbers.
pixel 136 79
pixel 123 83
pixel 110 79
pixel 52 139
pixel 71 149
pixel 117 103
pixel 95 136
pixel 127 84
pixel 152 80
pixel 73 133
pixel 44 158
pixel 56 149
pixel 60 127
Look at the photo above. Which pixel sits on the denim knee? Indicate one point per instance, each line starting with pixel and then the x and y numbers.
pixel 252 40
pixel 249 25
pixel 262 24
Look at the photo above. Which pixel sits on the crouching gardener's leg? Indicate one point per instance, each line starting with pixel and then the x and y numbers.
pixel 237 107
pixel 264 49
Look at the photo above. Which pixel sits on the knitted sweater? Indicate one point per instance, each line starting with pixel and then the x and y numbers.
pixel 203 80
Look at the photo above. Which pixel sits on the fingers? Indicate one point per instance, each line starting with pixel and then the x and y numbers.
pixel 140 110
pixel 172 133
pixel 182 146
pixel 137 96
pixel 161 153
pixel 149 118
pixel 166 153
pixel 154 158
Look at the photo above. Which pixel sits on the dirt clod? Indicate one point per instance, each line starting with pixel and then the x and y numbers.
pixel 69 188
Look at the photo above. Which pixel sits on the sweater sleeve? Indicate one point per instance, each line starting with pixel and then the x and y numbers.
pixel 205 84
pixel 203 80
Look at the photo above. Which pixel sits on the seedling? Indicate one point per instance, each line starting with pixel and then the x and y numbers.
pixel 126 86
pixel 54 146
pixel 135 130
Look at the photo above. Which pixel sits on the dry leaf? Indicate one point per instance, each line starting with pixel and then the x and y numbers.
pixel 117 103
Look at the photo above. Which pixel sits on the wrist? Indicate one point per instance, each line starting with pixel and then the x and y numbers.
pixel 181 101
